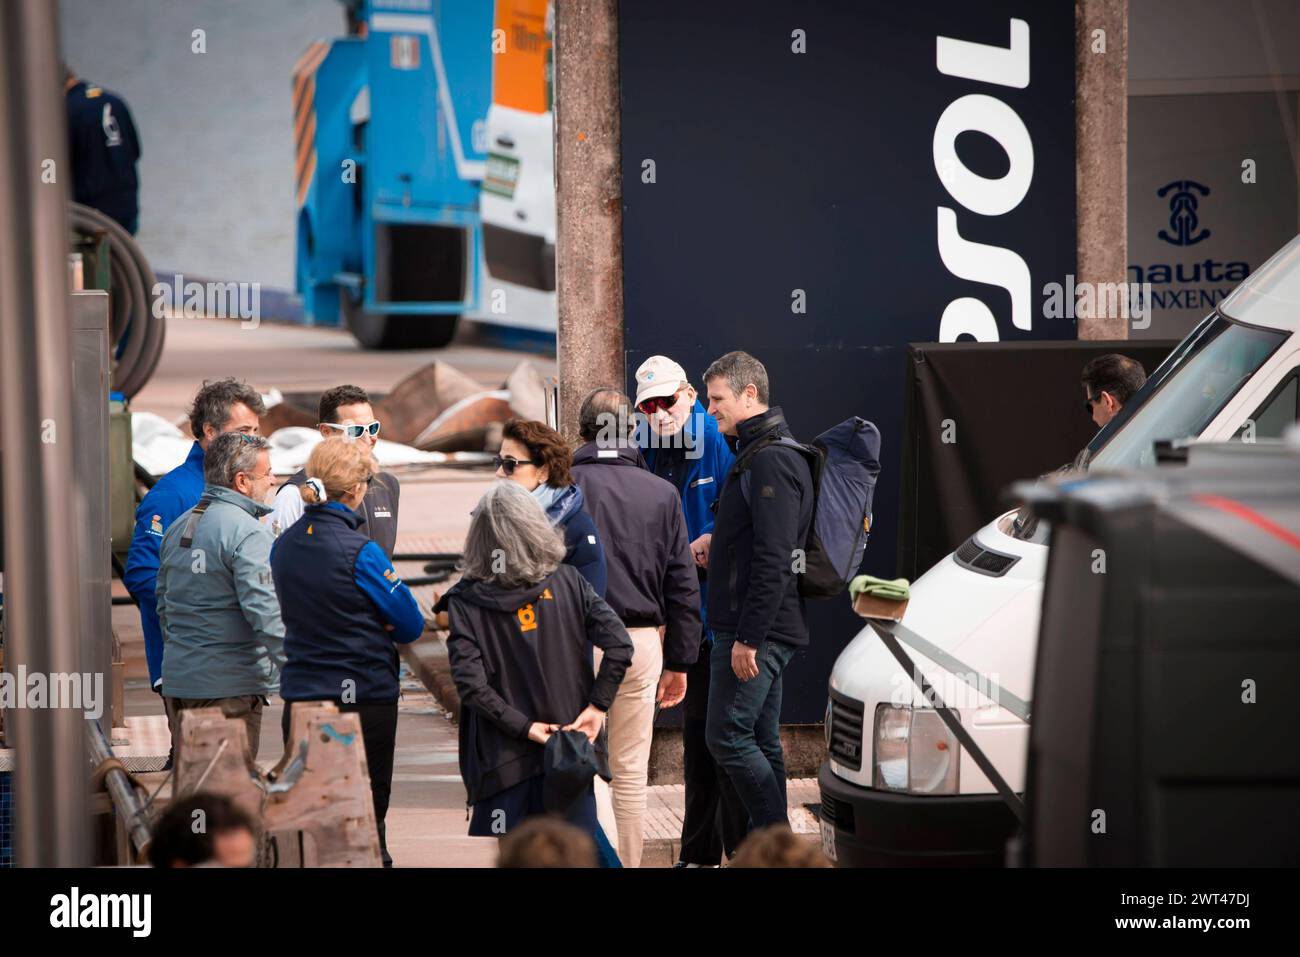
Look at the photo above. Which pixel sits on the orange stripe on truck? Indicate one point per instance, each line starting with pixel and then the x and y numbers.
pixel 304 115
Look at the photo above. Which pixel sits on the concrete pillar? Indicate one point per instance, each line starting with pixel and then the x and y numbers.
pixel 589 202
pixel 1101 153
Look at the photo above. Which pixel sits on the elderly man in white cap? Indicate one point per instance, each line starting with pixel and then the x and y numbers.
pixel 684 446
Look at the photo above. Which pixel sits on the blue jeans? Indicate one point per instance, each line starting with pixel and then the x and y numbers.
pixel 743 729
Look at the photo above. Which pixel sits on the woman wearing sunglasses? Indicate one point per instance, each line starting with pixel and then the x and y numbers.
pixel 343 608
pixel 537 457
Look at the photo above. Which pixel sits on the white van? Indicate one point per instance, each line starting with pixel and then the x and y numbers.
pixel 897 787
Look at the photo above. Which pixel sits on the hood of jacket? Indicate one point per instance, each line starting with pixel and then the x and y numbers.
pixel 219 493
pixel 565 505
pixel 490 595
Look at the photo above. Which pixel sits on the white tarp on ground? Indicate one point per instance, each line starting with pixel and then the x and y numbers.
pixel 158 447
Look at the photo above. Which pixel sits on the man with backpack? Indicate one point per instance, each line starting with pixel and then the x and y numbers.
pixel 754 606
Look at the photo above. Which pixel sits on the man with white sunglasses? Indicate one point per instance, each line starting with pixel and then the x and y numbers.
pixel 345 411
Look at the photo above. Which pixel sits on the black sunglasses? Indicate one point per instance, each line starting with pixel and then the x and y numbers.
pixel 508 465
pixel 1089 402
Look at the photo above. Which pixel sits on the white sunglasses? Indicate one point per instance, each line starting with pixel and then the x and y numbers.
pixel 354 432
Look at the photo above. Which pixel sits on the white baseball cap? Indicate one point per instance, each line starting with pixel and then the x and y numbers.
pixel 658 376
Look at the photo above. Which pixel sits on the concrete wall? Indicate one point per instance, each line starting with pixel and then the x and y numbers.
pixel 216 174
pixel 1212 84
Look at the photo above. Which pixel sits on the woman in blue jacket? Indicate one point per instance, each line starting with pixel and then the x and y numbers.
pixel 343 608
pixel 537 457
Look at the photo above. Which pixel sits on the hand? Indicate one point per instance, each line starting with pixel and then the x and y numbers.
pixel 589 722
pixel 672 689
pixel 541 733
pixel 744 661
pixel 700 549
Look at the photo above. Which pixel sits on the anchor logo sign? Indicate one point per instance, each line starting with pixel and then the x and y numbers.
pixel 1183 220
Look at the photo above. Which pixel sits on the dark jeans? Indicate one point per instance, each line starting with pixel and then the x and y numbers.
pixel 379 738
pixel 715 821
pixel 744 730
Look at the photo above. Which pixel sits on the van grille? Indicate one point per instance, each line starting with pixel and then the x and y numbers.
pixel 983 560
pixel 838 814
pixel 846 731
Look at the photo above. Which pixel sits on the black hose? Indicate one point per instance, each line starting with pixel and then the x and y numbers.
pixel 130 301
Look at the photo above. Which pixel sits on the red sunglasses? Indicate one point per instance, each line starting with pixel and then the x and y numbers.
pixel 653 405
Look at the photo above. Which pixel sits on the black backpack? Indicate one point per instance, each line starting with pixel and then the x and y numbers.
pixel 845 462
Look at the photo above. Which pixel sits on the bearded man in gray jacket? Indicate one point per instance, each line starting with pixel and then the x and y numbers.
pixel 223 641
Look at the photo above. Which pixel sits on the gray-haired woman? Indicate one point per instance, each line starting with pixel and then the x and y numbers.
pixel 520 623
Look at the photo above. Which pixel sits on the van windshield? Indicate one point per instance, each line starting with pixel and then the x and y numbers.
pixel 1189 389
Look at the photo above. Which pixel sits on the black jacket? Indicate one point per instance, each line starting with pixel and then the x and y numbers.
pixel 521 655
pixel 753 591
pixel 651 576
pixel 103 147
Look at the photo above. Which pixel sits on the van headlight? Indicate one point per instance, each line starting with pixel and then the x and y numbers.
pixel 913 751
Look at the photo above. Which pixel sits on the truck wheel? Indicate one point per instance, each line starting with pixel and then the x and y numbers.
pixel 375 331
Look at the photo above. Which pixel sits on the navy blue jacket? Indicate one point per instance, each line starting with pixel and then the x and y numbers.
pixel 176 492
pixel 337 593
pixel 755 593
pixel 581 541
pixel 652 578
pixel 103 147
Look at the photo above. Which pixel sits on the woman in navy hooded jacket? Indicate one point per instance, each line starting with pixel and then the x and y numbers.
pixel 343 608
pixel 537 457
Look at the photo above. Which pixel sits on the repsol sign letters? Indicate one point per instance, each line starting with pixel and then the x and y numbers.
pixel 832 182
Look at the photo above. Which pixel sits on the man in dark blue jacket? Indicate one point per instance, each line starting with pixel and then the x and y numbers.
pixel 683 446
pixel 652 587
pixel 103 147
pixel 226 405
pixel 754 608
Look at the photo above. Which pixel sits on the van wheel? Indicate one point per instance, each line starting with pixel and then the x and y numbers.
pixel 375 331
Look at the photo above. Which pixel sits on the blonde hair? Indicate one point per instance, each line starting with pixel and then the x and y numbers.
pixel 340 466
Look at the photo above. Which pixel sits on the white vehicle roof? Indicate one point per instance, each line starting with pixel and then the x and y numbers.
pixel 1270 296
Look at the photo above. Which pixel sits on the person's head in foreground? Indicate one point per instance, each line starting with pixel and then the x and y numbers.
pixel 546 841
pixel 737 390
pixel 778 846
pixel 241 462
pixel 346 412
pixel 663 395
pixel 533 454
pixel 1108 382
pixel 206 829
pixel 511 542
pixel 338 470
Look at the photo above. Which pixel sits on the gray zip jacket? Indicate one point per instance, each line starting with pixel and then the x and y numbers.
pixel 220 618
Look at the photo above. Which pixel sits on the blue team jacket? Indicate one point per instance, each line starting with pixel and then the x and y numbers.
pixel 699 477
pixel 176 492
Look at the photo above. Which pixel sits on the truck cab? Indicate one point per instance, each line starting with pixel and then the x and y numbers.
pixel 896 786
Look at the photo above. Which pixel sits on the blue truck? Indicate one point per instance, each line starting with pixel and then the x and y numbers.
pixel 390 136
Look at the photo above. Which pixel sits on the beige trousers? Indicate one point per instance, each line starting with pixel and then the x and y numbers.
pixel 631 724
